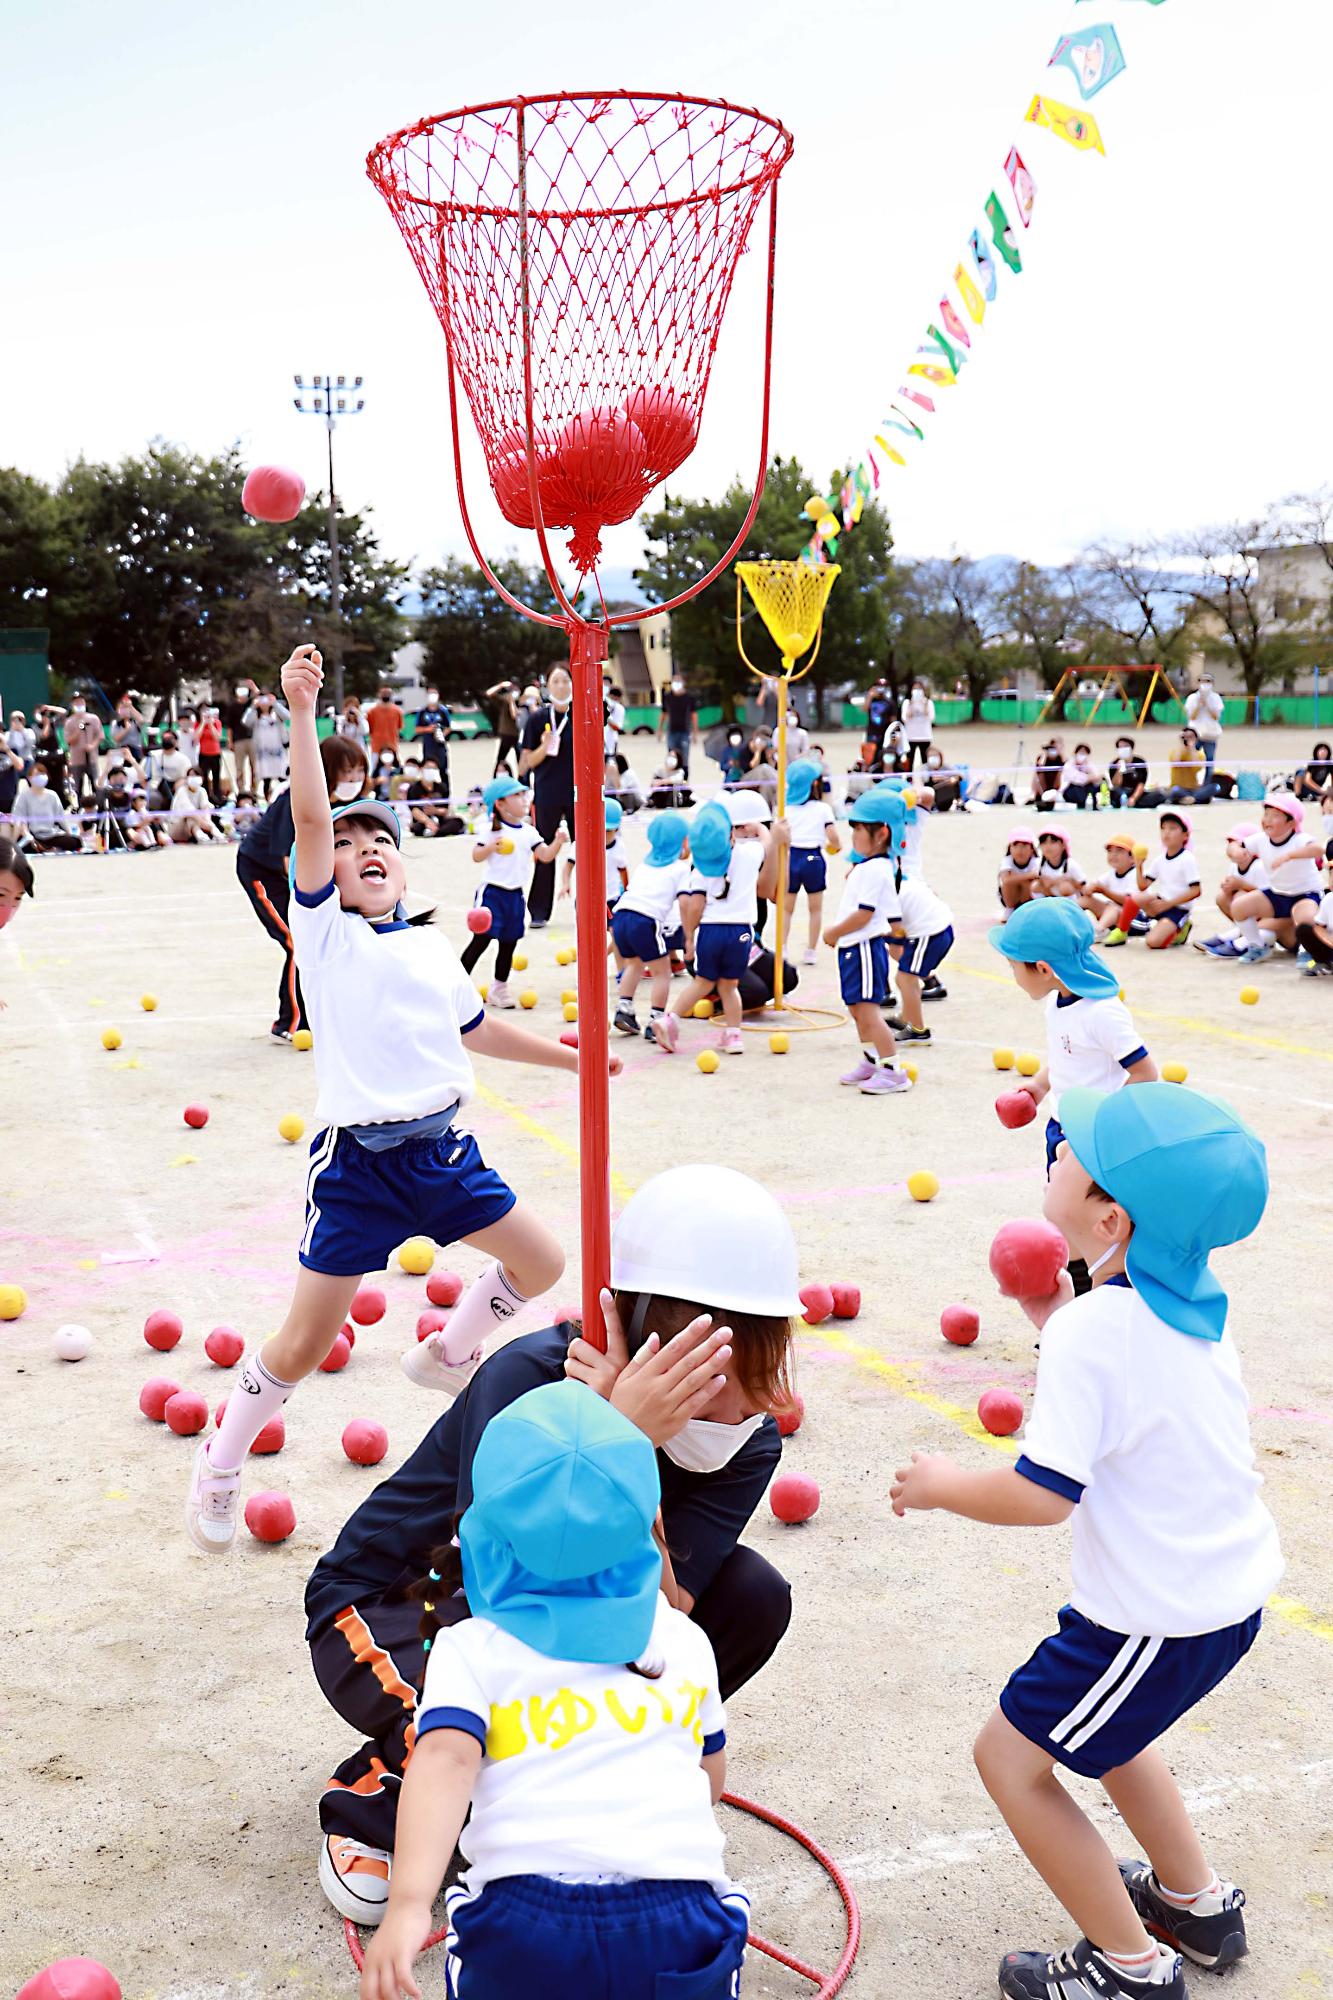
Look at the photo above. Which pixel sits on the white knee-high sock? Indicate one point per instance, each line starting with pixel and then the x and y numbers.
pixel 485 1305
pixel 257 1396
pixel 1250 931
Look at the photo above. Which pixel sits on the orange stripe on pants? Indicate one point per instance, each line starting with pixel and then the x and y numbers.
pixel 267 901
pixel 366 1653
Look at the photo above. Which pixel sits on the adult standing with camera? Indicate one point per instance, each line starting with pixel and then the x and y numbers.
pixel 546 750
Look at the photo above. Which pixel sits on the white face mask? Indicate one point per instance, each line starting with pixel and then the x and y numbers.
pixel 349 789
pixel 705 1447
pixel 38 781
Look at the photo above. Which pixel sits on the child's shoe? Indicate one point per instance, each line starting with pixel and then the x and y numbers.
pixel 500 996
pixel 1116 936
pixel 886 1083
pixel 424 1364
pixel 665 1031
pixel 1253 953
pixel 1314 970
pixel 732 1042
pixel 212 1505
pixel 932 990
pixel 810 956
pixel 626 1020
pixel 918 1035
pixel 1086 1974
pixel 861 1074
pixel 355 1878
pixel 1211 1930
pixel 1182 935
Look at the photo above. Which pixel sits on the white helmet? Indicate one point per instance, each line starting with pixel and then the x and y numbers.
pixel 710 1235
pixel 747 808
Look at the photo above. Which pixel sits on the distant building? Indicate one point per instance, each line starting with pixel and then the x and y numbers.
pixel 642 665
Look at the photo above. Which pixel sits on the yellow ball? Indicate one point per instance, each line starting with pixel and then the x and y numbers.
pixel 1028 1065
pixel 527 998
pixel 13 1299
pixel 302 1039
pixel 1174 1072
pixel 909 800
pixel 111 1038
pixel 485 989
pixel 1140 850
pixel 417 1255
pixel 796 644
pixel 506 846
pixel 567 995
pixel 148 1001
pixel 910 1069
pixel 1249 996
pixel 707 1060
pixel 779 1043
pixel 519 961
pixel 564 956
pixel 702 1010
pixel 570 1010
pixel 923 1185
pixel 1002 1058
pixel 291 1127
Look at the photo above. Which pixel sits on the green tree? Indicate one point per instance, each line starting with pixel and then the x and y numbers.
pixel 948 620
pixel 34 549
pixel 1238 610
pixel 474 639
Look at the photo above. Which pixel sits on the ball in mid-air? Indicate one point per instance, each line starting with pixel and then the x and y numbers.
pixel 416 1255
pixel 273 493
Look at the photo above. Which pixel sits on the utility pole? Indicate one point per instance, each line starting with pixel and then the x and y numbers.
pixel 329 398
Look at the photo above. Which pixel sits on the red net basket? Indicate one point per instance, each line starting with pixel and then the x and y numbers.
pixel 579 251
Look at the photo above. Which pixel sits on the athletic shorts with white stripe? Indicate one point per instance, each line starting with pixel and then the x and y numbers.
pixel 1094 1698
pixel 360 1205
pixel 863 972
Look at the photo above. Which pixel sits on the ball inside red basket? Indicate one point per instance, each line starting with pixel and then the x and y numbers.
pixel 1027 1257
pixel 270 1517
pixel 794 1497
pixel 364 1442
pixel 1001 1411
pixel 162 1330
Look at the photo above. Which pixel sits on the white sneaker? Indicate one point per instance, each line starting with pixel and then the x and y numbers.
pixel 212 1505
pixel 500 996
pixel 355 1878
pixel 424 1364
pixel 810 956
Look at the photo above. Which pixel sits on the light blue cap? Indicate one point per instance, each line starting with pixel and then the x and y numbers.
pixel 557 1543
pixel 500 788
pixel 615 812
pixel 802 777
pixel 377 809
pixel 881 807
pixel 897 781
pixel 710 839
pixel 1056 931
pixel 667 834
pixel 1191 1176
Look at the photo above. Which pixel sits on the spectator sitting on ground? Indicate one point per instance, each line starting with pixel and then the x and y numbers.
pixel 246 814
pixel 190 815
pixel 1315 779
pixel 1190 780
pixel 11 772
pixel 1046 774
pixel 114 806
pixel 945 781
pixel 669 787
pixel 1128 776
pixel 1078 778
pixel 429 806
pixel 168 766
pixel 40 816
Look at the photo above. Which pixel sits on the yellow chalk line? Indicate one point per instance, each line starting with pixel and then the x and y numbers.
pixel 620 1187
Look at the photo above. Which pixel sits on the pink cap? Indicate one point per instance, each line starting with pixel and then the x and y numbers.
pixel 1023 833
pixel 1056 833
pixel 1244 829
pixel 1177 812
pixel 1288 803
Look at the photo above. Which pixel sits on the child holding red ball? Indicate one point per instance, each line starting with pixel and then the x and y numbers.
pixel 1140 1431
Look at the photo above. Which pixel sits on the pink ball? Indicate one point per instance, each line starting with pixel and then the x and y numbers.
pixel 570 1038
pixel 162 1330
pixel 71 1979
pixel 349 1333
pixel 790 1418
pixel 817 1303
pixel 668 426
pixel 154 1396
pixel 444 1288
pixel 1015 1107
pixel 186 1412
pixel 368 1306
pixel 1027 1257
pixel 196 1115
pixel 794 1497
pixel 270 1517
pixel 960 1325
pixel 846 1301
pixel 273 493
pixel 430 1322
pixel 478 921
pixel 365 1443
pixel 1001 1411
pixel 337 1357
pixel 224 1346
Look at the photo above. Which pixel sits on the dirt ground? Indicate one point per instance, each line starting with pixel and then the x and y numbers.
pixel 165 1741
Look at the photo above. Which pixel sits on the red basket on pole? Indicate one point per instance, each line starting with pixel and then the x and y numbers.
pixel 579 251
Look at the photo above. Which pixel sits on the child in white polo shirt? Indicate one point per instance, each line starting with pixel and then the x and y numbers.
pixel 1295 870
pixel 736 861
pixel 813 831
pixel 1140 1431
pixel 919 942
pixel 1247 872
pixel 645 917
pixel 868 910
pixel 1019 869
pixel 507 854
pixel 1104 897
pixel 1167 886
pixel 1058 873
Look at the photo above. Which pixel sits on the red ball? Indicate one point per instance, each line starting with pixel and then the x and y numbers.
pixel 270 1517
pixel 790 1418
pixel 162 1330
pixel 846 1301
pixel 271 1438
pixel 1027 1257
pixel 71 1979
pixel 365 1443
pixel 1001 1411
pixel 597 470
pixel 154 1396
pixel 570 1038
pixel 479 921
pixel 368 1306
pixel 196 1115
pixel 794 1497
pixel 337 1357
pixel 1015 1107
pixel 960 1324
pixel 273 493
pixel 668 425
pixel 224 1346
pixel 186 1412
pixel 431 1322
pixel 349 1333
pixel 817 1303
pixel 567 1315
pixel 444 1288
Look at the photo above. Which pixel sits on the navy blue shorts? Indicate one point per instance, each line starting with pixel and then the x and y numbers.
pixel 526 1934
pixel 1179 914
pixel 923 954
pixel 1284 905
pixel 508 916
pixel 1093 1699
pixel 637 936
pixel 674 940
pixel 806 870
pixel 359 1205
pixel 863 970
pixel 1055 1138
pixel 722 951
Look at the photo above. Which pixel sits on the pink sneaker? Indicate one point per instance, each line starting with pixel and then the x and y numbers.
pixel 886 1083
pixel 861 1074
pixel 666 1033
pixel 732 1042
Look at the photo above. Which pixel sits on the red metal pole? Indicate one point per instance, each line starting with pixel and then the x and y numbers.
pixel 588 652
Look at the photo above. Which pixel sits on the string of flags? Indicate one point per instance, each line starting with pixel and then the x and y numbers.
pixel 1094 57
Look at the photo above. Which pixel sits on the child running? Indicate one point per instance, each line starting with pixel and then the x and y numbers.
pixel 734 865
pixel 813 830
pixel 1167 886
pixel 1058 874
pixel 919 942
pixel 1104 897
pixel 645 918
pixel 1018 870
pixel 1294 868
pixel 869 907
pixel 577 1714
pixel 1247 872
pixel 1140 1431
pixel 507 853
pixel 396 1020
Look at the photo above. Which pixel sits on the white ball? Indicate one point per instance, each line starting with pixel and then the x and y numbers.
pixel 71 1343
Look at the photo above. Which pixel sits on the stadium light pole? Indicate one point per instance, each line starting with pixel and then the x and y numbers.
pixel 331 397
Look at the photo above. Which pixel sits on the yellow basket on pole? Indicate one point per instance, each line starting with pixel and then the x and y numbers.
pixel 791 598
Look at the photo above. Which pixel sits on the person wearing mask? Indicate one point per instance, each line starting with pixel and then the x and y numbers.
pixel 430 736
pixel 20 740
pixel 234 714
pixel 1314 781
pixel 613 724
pixel 352 723
pixel 798 737
pixel 1128 775
pixel 1203 707
pixel 267 721
pixel 546 754
pixel 83 743
pixel 880 712
pixel 40 817
pixel 384 719
pixel 505 720
pixel 429 806
pixel 1078 778
pixel 678 724
pixel 49 749
pixel 114 808
pixel 168 767
pixel 11 773
pixel 210 753
pixel 128 729
pixel 919 722
pixel 1191 776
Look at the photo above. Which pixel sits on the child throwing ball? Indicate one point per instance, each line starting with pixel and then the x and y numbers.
pixel 507 854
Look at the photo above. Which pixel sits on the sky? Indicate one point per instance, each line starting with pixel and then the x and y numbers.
pixel 187 223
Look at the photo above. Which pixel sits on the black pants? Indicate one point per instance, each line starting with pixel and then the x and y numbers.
pixel 369 1664
pixel 1307 935
pixel 915 750
pixel 1079 795
pixel 210 770
pixel 550 806
pixel 504 955
pixel 268 891
pixel 506 747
